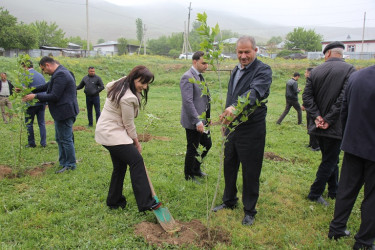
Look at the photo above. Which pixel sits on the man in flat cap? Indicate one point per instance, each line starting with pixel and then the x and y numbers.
pixel 322 100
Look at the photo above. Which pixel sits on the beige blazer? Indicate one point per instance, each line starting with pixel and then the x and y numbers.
pixel 116 124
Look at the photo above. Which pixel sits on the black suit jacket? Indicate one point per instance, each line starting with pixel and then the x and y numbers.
pixel 60 93
pixel 257 80
pixel 358 115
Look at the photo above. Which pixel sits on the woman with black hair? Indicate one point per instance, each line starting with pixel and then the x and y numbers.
pixel 116 131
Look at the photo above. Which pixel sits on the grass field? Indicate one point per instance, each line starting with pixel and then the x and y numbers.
pixel 69 211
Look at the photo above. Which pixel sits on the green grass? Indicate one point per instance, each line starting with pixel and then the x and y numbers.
pixel 69 210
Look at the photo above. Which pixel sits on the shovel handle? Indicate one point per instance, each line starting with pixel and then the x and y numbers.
pixel 149 182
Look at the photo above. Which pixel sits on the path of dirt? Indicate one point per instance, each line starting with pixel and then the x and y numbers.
pixel 274 157
pixel 191 233
pixel 148 137
pixel 7 172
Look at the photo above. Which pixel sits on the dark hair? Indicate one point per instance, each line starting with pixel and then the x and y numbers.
pixel 309 69
pixel 296 74
pixel 3 73
pixel 91 67
pixel 47 59
pixel 197 55
pixel 118 89
pixel 28 64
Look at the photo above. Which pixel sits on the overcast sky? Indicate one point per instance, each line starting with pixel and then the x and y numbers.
pixel 334 13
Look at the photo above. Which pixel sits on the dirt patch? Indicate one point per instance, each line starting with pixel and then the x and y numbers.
pixel 191 233
pixel 274 157
pixel 79 128
pixel 7 172
pixel 148 137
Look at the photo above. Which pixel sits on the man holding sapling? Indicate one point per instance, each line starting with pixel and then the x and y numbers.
pixel 195 116
pixel 250 79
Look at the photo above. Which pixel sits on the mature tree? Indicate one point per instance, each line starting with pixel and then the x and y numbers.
pixel 139 24
pixel 50 34
pixel 122 46
pixel 100 40
pixel 275 40
pixel 13 35
pixel 307 40
pixel 159 46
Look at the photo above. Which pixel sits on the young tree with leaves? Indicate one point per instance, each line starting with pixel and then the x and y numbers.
pixel 50 34
pixel 307 40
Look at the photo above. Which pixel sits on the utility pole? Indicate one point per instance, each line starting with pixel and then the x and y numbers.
pixel 187 34
pixel 363 32
pixel 186 46
pixel 87 28
pixel 144 39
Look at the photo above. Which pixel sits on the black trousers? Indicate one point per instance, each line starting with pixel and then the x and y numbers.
pixel 296 106
pixel 355 172
pixel 122 156
pixel 246 146
pixel 194 138
pixel 328 171
pixel 93 101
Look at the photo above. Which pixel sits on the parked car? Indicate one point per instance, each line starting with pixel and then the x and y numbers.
pixel 183 56
pixel 224 56
pixel 295 56
pixel 261 55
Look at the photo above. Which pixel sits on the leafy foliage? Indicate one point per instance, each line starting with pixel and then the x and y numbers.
pixel 122 46
pixel 139 26
pixel 304 39
pixel 79 41
pixel 14 35
pixel 50 34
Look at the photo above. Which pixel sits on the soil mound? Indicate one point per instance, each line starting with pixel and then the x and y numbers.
pixel 191 233
pixel 148 137
pixel 274 157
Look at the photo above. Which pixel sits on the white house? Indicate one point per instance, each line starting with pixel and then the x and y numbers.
pixel 353 44
pixel 109 48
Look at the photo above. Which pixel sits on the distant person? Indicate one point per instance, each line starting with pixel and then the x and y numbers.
pixel 291 96
pixel 93 86
pixel 322 100
pixel 61 96
pixel 38 109
pixel 6 90
pixel 116 132
pixel 245 145
pixel 358 167
pixel 193 105
pixel 313 142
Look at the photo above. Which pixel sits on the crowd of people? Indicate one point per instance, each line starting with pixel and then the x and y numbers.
pixel 338 102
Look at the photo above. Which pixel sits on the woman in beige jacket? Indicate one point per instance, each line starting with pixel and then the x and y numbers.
pixel 115 130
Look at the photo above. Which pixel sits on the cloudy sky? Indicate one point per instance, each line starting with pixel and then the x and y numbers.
pixel 334 13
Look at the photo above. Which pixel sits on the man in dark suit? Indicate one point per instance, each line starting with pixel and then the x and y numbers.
pixel 61 96
pixel 194 104
pixel 322 100
pixel 358 167
pixel 246 143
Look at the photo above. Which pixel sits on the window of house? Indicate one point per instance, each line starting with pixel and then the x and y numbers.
pixel 351 48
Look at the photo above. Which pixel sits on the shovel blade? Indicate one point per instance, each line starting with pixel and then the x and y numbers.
pixel 166 220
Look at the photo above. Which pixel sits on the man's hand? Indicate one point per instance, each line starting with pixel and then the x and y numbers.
pixel 321 123
pixel 28 97
pixel 227 112
pixel 200 127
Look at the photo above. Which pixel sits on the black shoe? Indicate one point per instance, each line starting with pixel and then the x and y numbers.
pixel 320 200
pixel 64 169
pixel 202 174
pixel 346 233
pixel 117 207
pixel 358 246
pixel 315 149
pixel 30 146
pixel 223 206
pixel 248 220
pixel 155 206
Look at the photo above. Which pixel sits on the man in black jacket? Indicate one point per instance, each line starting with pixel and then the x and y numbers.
pixel 246 143
pixel 61 95
pixel 358 167
pixel 322 100
pixel 93 85
pixel 6 90
pixel 291 96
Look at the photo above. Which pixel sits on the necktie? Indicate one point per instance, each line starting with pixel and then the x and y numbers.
pixel 201 77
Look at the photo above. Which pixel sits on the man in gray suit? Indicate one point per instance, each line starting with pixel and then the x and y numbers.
pixel 194 104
